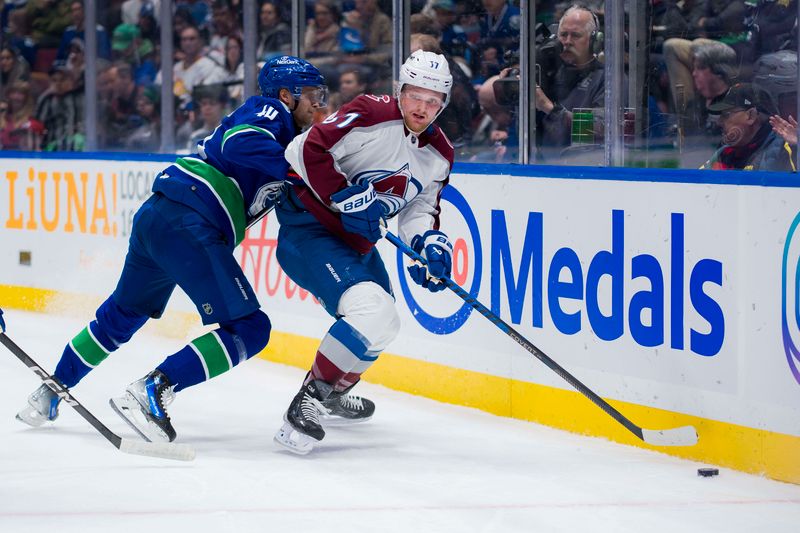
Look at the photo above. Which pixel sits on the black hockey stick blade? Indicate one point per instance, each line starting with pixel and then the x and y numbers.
pixel 681 436
pixel 163 450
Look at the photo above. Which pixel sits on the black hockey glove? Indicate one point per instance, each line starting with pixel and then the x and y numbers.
pixel 362 211
pixel 437 250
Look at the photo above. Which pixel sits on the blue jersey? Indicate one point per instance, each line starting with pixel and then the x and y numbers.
pixel 238 169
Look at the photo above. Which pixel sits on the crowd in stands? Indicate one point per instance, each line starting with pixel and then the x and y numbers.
pixel 697 51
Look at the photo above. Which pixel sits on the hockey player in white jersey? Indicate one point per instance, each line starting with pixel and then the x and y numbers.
pixel 376 158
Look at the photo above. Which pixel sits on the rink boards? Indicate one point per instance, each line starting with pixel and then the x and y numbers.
pixel 674 295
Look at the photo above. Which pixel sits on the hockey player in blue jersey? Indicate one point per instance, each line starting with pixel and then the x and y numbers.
pixel 184 235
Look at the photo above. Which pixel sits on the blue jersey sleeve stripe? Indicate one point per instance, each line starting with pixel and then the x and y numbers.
pixel 243 128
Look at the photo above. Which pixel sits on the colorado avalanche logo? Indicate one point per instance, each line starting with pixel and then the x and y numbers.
pixel 395 187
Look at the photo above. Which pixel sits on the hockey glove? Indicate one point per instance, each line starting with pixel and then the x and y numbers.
pixel 437 250
pixel 362 212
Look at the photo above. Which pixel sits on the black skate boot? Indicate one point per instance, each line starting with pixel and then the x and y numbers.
pixel 301 428
pixel 143 407
pixel 42 407
pixel 343 408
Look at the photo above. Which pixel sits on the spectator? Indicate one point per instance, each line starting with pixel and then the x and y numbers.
pixel 771 26
pixel 127 45
pixel 77 15
pixel 19 130
pixel 18 35
pixel 714 70
pixel 579 81
pixel 122 107
pixel 776 74
pixel 76 62
pixel 13 67
pixel 234 69
pixel 210 101
pixel 709 21
pixel 748 140
pixel 500 30
pixel 148 22
pixel 60 110
pixel 275 36
pixel 351 84
pixel 225 26
pixel 367 31
pixel 147 136
pixel 132 9
pixel 322 33
pixel 48 20
pixel 195 68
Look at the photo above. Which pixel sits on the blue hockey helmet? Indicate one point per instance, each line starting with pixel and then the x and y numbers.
pixel 291 73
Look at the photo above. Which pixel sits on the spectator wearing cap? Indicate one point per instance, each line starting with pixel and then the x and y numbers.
pixel 127 45
pixel 367 35
pixel 60 109
pixel 76 29
pixel 748 140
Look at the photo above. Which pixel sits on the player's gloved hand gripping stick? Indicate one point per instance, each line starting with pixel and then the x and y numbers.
pixel 681 436
pixel 180 452
pixel 362 212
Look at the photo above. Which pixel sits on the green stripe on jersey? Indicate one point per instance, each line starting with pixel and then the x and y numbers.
pixel 213 353
pixel 88 348
pixel 224 188
pixel 242 128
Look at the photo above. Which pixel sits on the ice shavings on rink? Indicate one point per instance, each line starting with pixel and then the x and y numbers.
pixel 418 465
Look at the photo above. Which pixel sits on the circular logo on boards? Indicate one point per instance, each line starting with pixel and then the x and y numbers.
pixel 790 298
pixel 461 265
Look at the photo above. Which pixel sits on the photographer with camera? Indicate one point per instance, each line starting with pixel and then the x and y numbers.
pixel 578 81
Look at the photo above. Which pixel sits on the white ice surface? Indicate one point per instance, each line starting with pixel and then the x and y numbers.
pixel 418 466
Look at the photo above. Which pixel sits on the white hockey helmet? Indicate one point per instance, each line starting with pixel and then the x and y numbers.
pixel 428 70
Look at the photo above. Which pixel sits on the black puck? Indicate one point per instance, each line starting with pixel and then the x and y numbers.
pixel 707 472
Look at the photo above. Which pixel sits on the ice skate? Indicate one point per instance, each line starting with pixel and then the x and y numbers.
pixel 42 407
pixel 301 428
pixel 343 408
pixel 143 407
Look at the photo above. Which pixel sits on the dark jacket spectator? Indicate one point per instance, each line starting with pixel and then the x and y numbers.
pixel 749 142
pixel 275 36
pixel 60 109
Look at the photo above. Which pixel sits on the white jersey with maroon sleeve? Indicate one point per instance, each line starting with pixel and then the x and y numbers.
pixel 366 141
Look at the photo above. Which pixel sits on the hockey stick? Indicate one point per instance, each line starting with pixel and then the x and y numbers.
pixel 180 452
pixel 682 436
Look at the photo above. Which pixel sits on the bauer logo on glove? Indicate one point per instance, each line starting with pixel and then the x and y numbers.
pixel 437 251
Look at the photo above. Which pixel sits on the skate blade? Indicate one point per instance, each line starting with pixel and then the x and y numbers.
pixel 339 421
pixel 294 441
pixel 131 412
pixel 31 417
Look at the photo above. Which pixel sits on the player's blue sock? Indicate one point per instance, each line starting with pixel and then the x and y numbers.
pixel 113 326
pixel 217 351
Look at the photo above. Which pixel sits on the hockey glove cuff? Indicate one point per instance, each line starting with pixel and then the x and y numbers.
pixel 361 211
pixel 437 251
